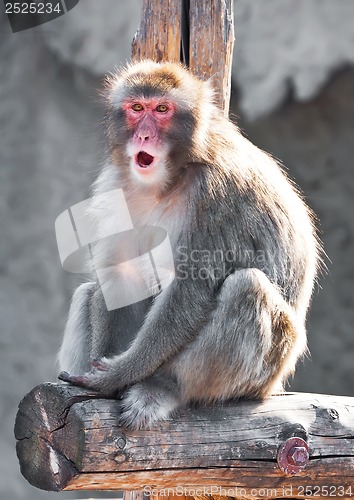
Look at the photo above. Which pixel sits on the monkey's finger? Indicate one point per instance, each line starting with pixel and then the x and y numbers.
pixel 73 379
pixel 64 376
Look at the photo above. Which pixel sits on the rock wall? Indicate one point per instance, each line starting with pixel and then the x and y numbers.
pixel 50 150
pixel 289 46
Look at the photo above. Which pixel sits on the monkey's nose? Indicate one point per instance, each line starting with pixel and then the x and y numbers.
pixel 144 136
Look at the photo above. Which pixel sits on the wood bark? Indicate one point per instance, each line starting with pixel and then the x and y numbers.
pixel 68 438
pixel 211 44
pixel 159 35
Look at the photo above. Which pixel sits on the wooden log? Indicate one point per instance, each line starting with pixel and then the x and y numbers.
pixel 199 34
pixel 69 439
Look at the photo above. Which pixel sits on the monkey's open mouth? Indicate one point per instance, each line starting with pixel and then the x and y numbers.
pixel 144 159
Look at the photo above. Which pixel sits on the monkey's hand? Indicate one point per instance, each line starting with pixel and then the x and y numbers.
pixel 103 377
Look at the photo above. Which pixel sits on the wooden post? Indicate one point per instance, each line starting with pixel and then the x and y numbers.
pixel 198 33
pixel 211 45
pixel 69 439
pixel 159 35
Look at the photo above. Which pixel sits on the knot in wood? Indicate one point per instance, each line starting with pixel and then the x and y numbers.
pixel 120 442
pixel 333 414
pixel 120 457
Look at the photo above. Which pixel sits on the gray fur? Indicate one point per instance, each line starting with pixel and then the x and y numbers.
pixel 232 323
pixel 73 355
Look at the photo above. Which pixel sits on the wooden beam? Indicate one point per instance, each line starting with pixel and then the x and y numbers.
pixel 198 33
pixel 68 438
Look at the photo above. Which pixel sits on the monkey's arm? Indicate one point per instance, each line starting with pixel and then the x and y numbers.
pixel 176 317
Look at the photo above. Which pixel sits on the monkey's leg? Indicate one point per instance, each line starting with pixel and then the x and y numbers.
pixel 153 346
pixel 113 331
pixel 75 351
pixel 150 400
pixel 93 332
pixel 249 346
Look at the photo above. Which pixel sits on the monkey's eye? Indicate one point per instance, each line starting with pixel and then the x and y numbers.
pixel 137 107
pixel 161 108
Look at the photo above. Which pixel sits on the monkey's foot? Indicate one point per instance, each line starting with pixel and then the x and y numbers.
pixel 73 379
pixel 100 378
pixel 143 404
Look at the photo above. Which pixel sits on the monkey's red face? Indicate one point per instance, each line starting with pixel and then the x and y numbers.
pixel 149 120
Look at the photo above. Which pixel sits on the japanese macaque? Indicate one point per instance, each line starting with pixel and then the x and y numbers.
pixel 231 323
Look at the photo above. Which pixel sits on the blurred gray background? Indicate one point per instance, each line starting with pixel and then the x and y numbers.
pixel 293 94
